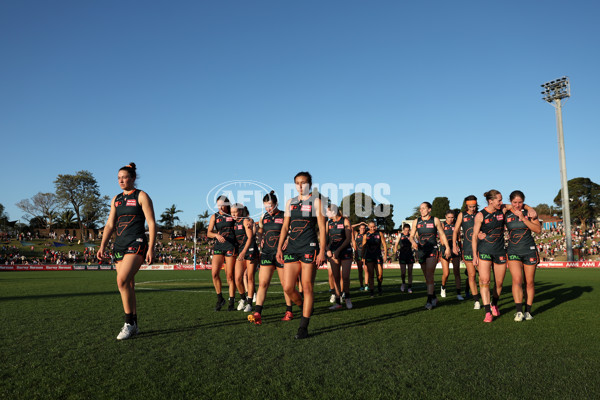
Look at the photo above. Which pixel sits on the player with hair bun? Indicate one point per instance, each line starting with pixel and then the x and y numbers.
pixel 248 254
pixel 129 212
pixel 423 236
pixel 221 227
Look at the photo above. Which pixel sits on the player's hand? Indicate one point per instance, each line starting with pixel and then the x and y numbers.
pixel 279 257
pixel 149 255
pixel 481 235
pixel 220 238
pixel 321 258
pixel 100 254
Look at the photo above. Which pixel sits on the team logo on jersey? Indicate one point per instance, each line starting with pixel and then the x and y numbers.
pixel 467 219
pixel 229 219
pixel 376 236
pixel 487 221
pixel 139 240
pixel 448 227
pixel 293 207
pixel 532 259
pixel 340 226
pixel 131 203
pixel 429 225
pixel 501 258
pixel 279 220
pixel 306 207
pixel 510 219
pixel 500 217
pixel 265 221
pixel 118 203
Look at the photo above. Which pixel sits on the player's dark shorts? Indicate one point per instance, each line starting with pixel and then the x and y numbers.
pixel 443 253
pixel 406 258
pixel 306 258
pixel 376 257
pixel 467 257
pixel 527 258
pixel 269 260
pixel 495 258
pixel 424 253
pixel 252 254
pixel 358 256
pixel 137 247
pixel 226 253
pixel 345 254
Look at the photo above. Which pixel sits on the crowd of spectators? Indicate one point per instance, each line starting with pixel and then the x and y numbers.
pixel 551 245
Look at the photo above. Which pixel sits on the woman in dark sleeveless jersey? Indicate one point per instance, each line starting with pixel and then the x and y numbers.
pixel 221 227
pixel 522 253
pixel 357 241
pixel 129 212
pixel 425 229
pixel 466 220
pixel 490 251
pixel 248 255
pixel 304 214
pixel 448 226
pixel 269 230
pixel 373 242
pixel 406 258
pixel 339 252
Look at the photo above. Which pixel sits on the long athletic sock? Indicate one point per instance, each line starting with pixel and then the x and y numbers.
pixel 429 298
pixel 494 301
pixel 135 319
pixel 129 318
pixel 243 296
pixel 220 296
pixel 528 308
pixel 519 307
pixel 258 309
pixel 338 300
pixel 304 322
pixel 476 297
pixel 231 300
pixel 458 292
pixel 443 287
pixel 288 308
pixel 488 308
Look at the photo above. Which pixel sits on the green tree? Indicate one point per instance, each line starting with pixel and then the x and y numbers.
pixel 439 207
pixel 584 199
pixel 358 207
pixel 79 191
pixel 66 220
pixel 42 206
pixel 169 216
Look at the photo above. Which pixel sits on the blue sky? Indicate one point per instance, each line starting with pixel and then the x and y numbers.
pixel 433 98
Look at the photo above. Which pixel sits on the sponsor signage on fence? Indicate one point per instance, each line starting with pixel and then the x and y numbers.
pixel 190 267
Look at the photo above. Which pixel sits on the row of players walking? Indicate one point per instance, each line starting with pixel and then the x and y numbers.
pixel 296 240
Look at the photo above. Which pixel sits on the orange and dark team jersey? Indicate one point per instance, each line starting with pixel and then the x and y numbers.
pixel 302 237
pixel 241 237
pixel 224 224
pixel 336 233
pixel 468 222
pixel 520 240
pixel 493 227
pixel 130 219
pixel 427 236
pixel 272 224
pixel 449 231
pixel 373 245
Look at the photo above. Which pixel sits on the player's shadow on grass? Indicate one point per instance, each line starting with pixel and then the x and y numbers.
pixel 557 294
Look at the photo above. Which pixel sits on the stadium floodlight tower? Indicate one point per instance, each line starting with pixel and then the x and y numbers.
pixel 554 93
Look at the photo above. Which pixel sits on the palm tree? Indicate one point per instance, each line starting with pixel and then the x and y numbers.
pixel 168 217
pixel 66 220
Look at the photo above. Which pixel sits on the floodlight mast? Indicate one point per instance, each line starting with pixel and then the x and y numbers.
pixel 554 92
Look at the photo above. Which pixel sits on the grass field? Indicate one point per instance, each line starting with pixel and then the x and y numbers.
pixel 58 341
